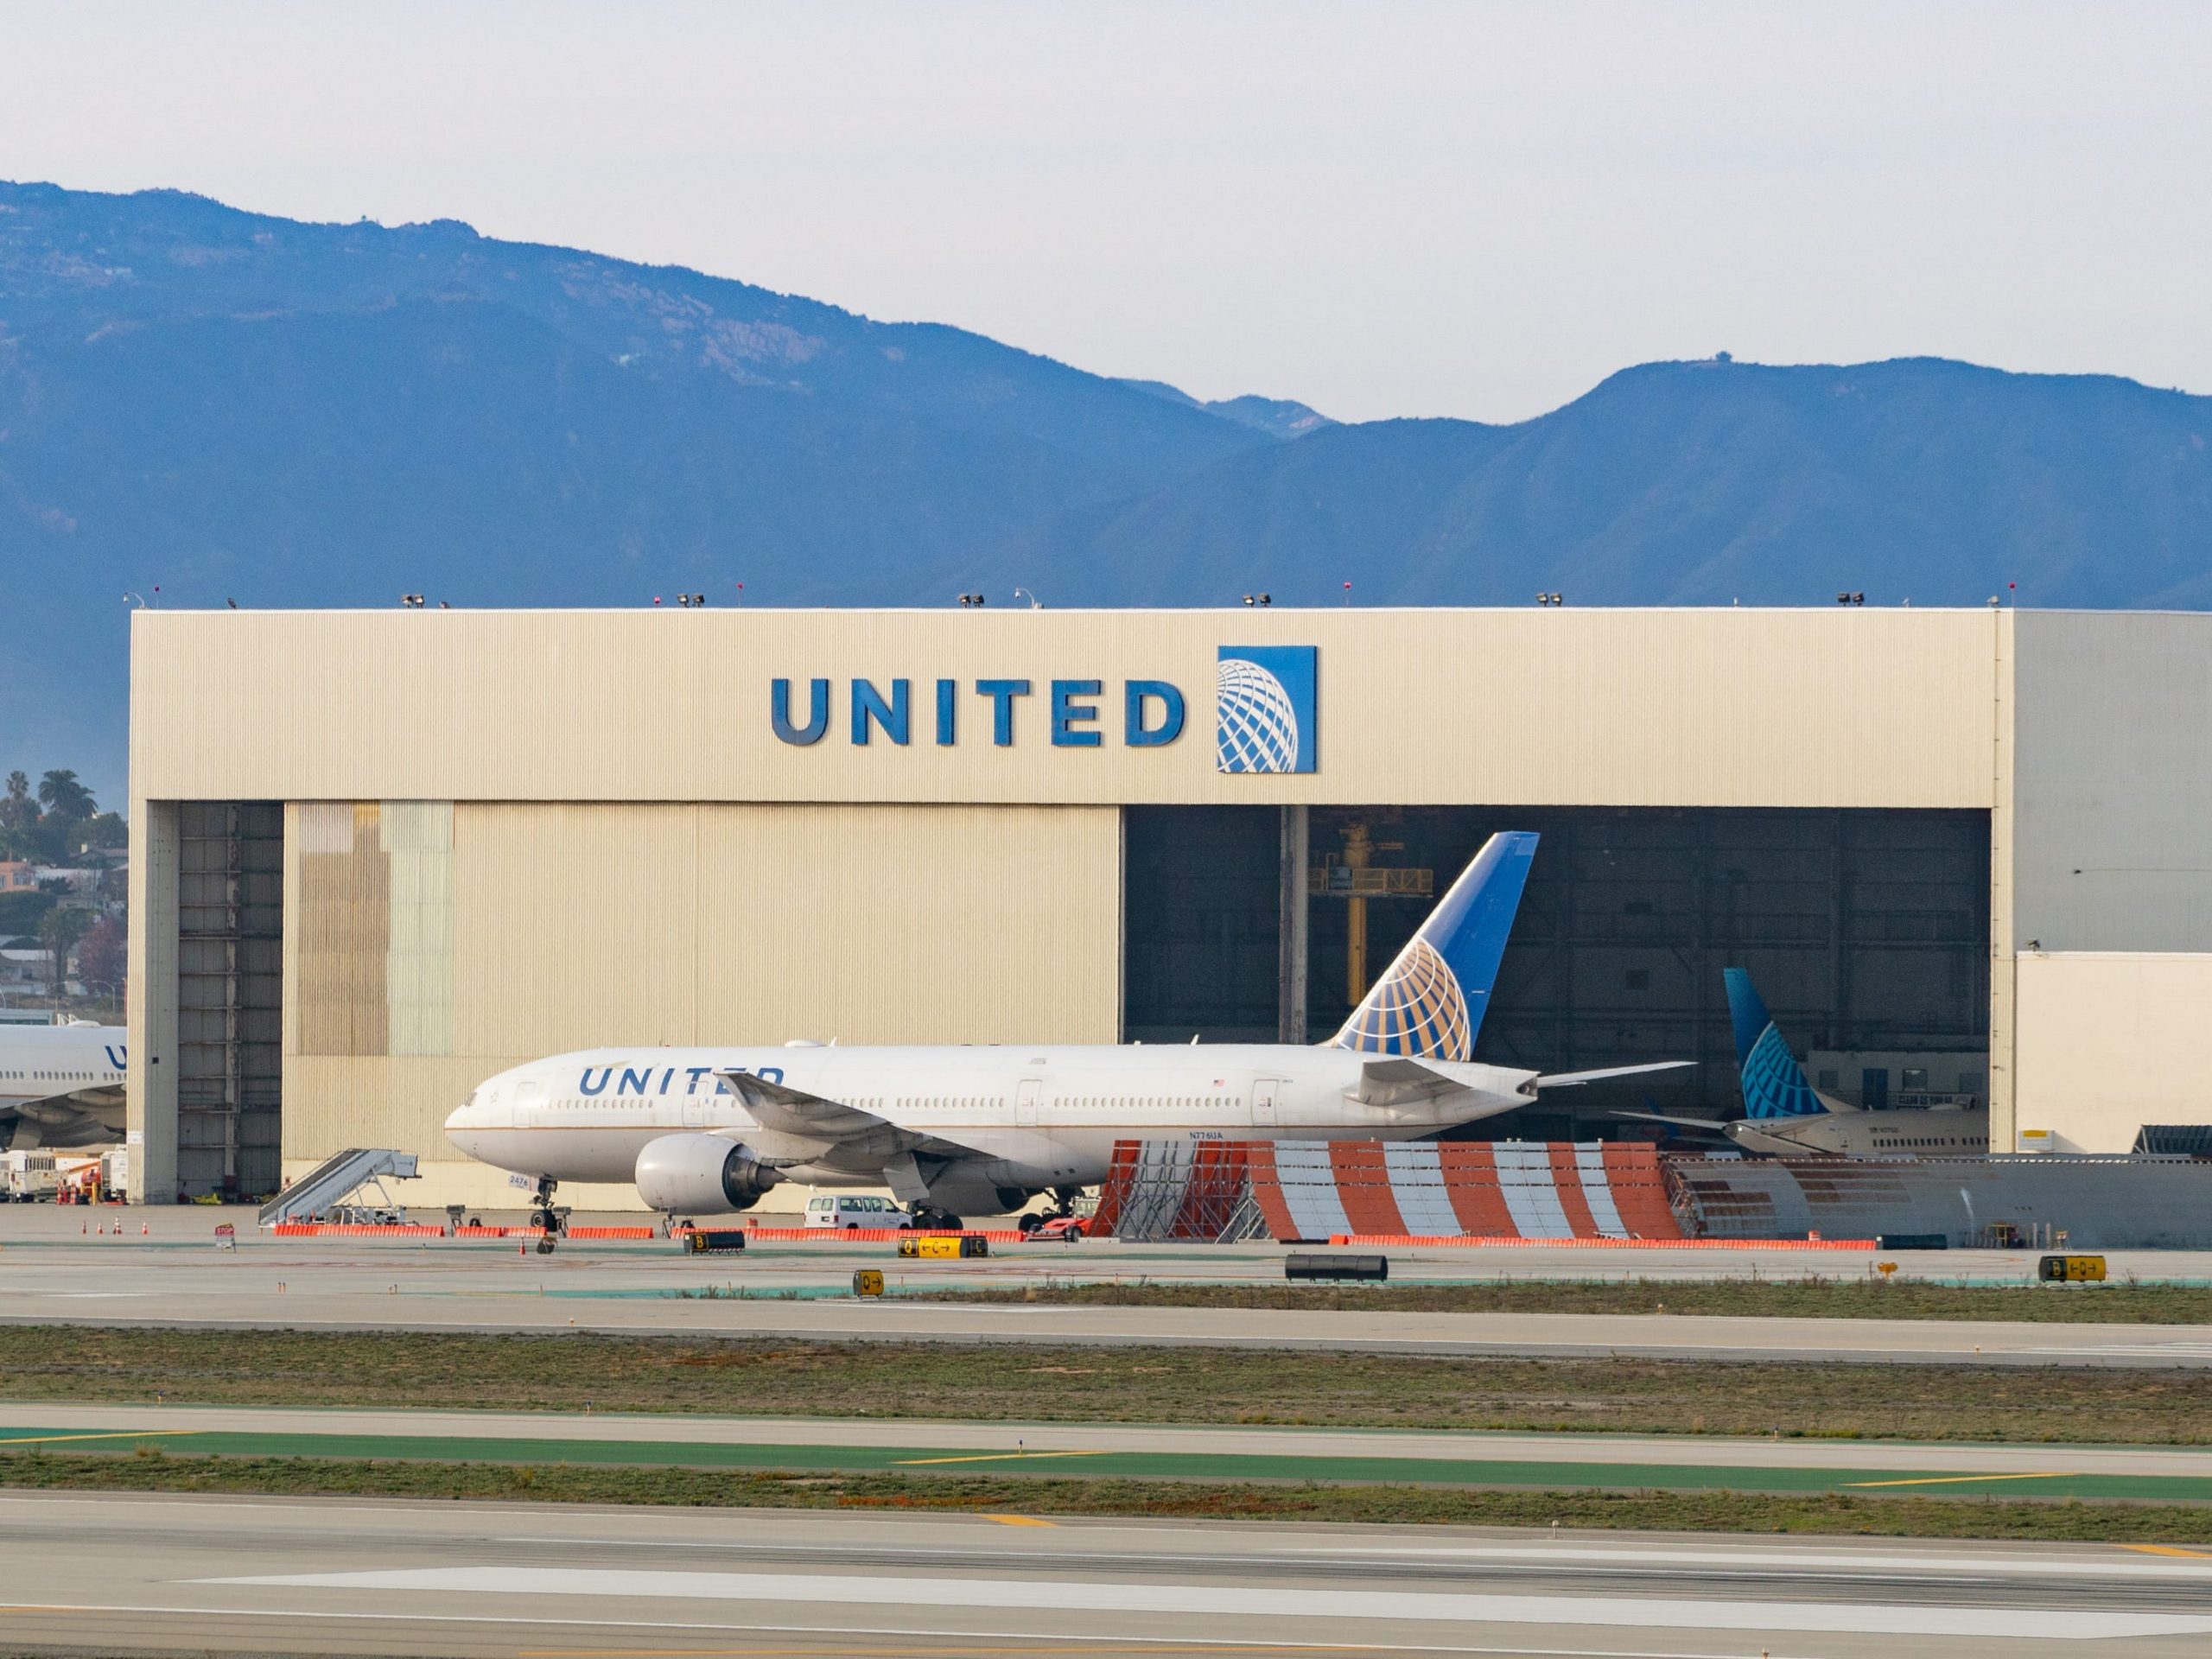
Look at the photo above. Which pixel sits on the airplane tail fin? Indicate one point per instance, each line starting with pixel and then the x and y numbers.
pixel 1774 1084
pixel 1429 1003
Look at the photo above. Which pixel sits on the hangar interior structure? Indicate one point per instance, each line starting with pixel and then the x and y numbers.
pixel 384 855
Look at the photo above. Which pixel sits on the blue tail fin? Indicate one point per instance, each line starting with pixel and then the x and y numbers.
pixel 1774 1084
pixel 1431 1001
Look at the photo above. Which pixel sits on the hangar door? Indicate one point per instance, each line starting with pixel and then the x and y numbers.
pixel 230 987
pixel 1867 931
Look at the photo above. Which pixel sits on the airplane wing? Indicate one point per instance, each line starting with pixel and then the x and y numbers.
pixel 802 1128
pixel 1574 1079
pixel 1401 1082
pixel 1710 1125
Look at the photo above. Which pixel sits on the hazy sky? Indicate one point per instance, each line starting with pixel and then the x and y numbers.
pixel 1379 208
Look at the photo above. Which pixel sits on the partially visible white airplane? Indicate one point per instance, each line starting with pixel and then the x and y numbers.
pixel 1783 1114
pixel 983 1129
pixel 61 1085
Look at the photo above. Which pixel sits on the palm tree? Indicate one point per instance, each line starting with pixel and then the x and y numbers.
pixel 65 798
pixel 16 811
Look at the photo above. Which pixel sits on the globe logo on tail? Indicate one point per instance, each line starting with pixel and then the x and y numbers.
pixel 1263 709
pixel 1417 1010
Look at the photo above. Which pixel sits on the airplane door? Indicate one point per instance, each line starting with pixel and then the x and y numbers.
pixel 1263 1102
pixel 694 1102
pixel 1025 1104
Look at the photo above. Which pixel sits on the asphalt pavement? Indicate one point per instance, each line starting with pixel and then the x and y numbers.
pixel 175 1273
pixel 167 1575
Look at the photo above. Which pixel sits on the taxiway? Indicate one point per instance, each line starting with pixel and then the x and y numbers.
pixel 162 1576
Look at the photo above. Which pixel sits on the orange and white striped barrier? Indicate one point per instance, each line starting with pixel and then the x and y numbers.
pixel 1528 1190
pixel 1406 1240
pixel 876 1235
pixel 356 1229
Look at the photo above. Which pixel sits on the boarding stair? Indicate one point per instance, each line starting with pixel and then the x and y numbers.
pixel 327 1192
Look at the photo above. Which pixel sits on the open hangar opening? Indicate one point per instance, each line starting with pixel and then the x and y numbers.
pixel 1867 931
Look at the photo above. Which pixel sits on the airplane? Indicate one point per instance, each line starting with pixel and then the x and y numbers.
pixel 983 1129
pixel 1785 1114
pixel 61 1085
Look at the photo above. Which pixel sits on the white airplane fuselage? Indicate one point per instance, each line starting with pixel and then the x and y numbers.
pixel 1922 1132
pixel 1026 1119
pixel 61 1086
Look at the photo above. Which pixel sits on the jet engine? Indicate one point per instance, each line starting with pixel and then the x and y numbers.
pixel 700 1175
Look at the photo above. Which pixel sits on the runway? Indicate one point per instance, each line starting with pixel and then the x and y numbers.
pixel 201 1575
pixel 913 1446
pixel 174 1277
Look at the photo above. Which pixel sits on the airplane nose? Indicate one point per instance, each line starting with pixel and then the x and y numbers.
pixel 462 1122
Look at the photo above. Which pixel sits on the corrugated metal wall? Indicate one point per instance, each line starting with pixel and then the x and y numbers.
pixel 2111 876
pixel 540 928
pixel 2113 782
pixel 2110 1041
pixel 1711 707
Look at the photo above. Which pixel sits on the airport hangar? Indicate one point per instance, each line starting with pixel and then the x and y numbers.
pixel 381 856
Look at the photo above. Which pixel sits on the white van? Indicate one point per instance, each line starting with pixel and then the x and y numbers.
pixel 853 1210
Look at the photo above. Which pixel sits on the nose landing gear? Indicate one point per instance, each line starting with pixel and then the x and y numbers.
pixel 549 1222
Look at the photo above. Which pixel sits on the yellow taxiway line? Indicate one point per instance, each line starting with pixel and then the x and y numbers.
pixel 1954 1480
pixel 995 1456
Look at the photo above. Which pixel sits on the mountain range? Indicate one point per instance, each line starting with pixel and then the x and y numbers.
pixel 224 405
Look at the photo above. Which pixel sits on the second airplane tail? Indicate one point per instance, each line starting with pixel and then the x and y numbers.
pixel 1774 1084
pixel 1429 1003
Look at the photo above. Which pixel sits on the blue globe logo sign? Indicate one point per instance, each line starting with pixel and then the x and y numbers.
pixel 1264 709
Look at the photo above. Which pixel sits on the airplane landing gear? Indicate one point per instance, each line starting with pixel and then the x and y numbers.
pixel 933 1218
pixel 549 1222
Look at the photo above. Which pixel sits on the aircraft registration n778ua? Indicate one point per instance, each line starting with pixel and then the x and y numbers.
pixel 982 1129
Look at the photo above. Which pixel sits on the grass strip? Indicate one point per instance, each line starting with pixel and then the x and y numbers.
pixel 1811 1297
pixel 1019 1383
pixel 1226 1463
pixel 154 1471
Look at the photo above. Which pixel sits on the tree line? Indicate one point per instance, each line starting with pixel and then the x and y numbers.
pixel 56 823
pixel 59 823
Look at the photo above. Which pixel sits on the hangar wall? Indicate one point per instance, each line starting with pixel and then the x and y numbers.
pixel 1562 707
pixel 432 945
pixel 2113 781
pixel 2112 872
pixel 2110 1041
